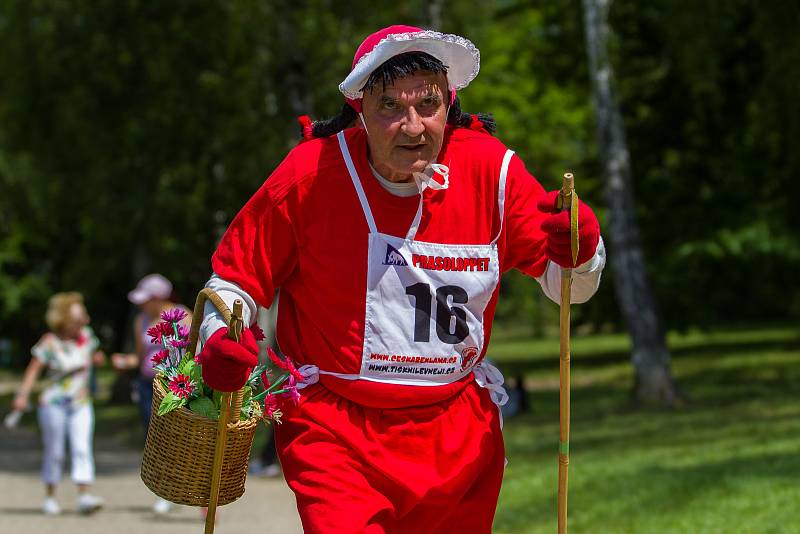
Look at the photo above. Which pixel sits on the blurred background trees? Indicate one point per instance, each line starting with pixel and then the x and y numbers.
pixel 131 133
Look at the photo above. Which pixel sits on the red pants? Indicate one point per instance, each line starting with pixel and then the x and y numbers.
pixel 417 470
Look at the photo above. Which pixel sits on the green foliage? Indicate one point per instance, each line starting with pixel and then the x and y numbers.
pixel 187 366
pixel 204 406
pixel 246 409
pixel 169 403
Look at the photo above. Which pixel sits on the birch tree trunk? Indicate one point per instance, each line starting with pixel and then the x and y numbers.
pixel 650 357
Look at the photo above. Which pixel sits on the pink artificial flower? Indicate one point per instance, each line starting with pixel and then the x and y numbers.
pixel 257 332
pixel 291 389
pixel 173 315
pixel 181 385
pixel 292 394
pixel 183 331
pixel 180 343
pixel 270 405
pixel 159 357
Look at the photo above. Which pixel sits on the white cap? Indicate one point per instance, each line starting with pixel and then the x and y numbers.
pixel 152 286
pixel 461 57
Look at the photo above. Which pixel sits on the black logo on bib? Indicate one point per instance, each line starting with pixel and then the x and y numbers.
pixel 393 256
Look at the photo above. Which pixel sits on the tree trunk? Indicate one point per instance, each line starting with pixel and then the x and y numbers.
pixel 651 358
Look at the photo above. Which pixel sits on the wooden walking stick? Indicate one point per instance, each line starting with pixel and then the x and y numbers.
pixel 230 406
pixel 567 200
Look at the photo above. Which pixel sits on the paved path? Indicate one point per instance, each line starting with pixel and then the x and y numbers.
pixel 267 505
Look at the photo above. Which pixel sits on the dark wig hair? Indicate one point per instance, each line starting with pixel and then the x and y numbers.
pixel 398 66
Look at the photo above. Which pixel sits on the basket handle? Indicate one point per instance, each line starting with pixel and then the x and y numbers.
pixel 235 325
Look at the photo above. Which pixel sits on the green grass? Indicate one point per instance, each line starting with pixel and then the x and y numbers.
pixel 728 462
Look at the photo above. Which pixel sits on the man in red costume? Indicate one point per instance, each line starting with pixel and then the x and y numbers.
pixel 387 231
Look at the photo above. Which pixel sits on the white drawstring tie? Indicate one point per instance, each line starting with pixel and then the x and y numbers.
pixel 310 376
pixel 489 377
pixel 425 179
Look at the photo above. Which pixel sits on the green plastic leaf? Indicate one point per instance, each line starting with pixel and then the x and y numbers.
pixel 247 394
pixel 170 402
pixel 256 374
pixel 205 407
pixel 187 365
pixel 196 374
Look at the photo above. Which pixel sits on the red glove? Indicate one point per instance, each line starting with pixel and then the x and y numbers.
pixel 226 364
pixel 558 247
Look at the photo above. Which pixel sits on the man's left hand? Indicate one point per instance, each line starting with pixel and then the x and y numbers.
pixel 559 247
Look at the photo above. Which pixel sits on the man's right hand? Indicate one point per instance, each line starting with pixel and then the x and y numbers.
pixel 226 364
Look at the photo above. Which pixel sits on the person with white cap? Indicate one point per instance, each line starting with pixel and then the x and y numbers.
pixel 387 231
pixel 152 295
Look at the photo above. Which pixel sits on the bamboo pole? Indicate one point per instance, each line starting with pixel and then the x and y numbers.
pixel 567 200
pixel 229 409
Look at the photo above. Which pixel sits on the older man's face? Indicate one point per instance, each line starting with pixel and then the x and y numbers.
pixel 405 123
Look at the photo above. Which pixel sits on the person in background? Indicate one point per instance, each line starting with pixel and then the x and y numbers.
pixel 68 352
pixel 152 295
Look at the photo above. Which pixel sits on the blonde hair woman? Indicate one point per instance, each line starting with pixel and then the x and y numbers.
pixel 65 411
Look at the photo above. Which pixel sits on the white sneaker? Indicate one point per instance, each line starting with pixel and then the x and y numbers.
pixel 162 507
pixel 50 506
pixel 88 503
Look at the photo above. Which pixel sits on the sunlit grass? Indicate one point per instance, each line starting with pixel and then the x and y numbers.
pixel 727 462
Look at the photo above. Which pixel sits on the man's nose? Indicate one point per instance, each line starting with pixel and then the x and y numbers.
pixel 412 126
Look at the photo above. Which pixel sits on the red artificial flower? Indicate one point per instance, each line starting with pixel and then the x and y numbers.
pixel 286 365
pixel 159 357
pixel 159 331
pixel 257 333
pixel 265 379
pixel 181 385
pixel 155 334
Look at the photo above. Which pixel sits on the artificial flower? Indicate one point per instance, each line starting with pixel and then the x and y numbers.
pixel 159 357
pixel 258 333
pixel 264 379
pixel 180 343
pixel 271 406
pixel 181 386
pixel 173 315
pixel 155 334
pixel 286 365
pixel 159 331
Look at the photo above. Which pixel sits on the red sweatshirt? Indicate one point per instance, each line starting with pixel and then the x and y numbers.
pixel 304 232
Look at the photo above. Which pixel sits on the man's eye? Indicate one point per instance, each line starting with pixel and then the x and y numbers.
pixel 389 104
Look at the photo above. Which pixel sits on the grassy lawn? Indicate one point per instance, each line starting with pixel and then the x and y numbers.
pixel 728 462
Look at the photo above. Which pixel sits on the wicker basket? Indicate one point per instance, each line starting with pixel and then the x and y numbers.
pixel 180 447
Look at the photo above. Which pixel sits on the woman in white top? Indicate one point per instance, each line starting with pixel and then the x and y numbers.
pixel 67 352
